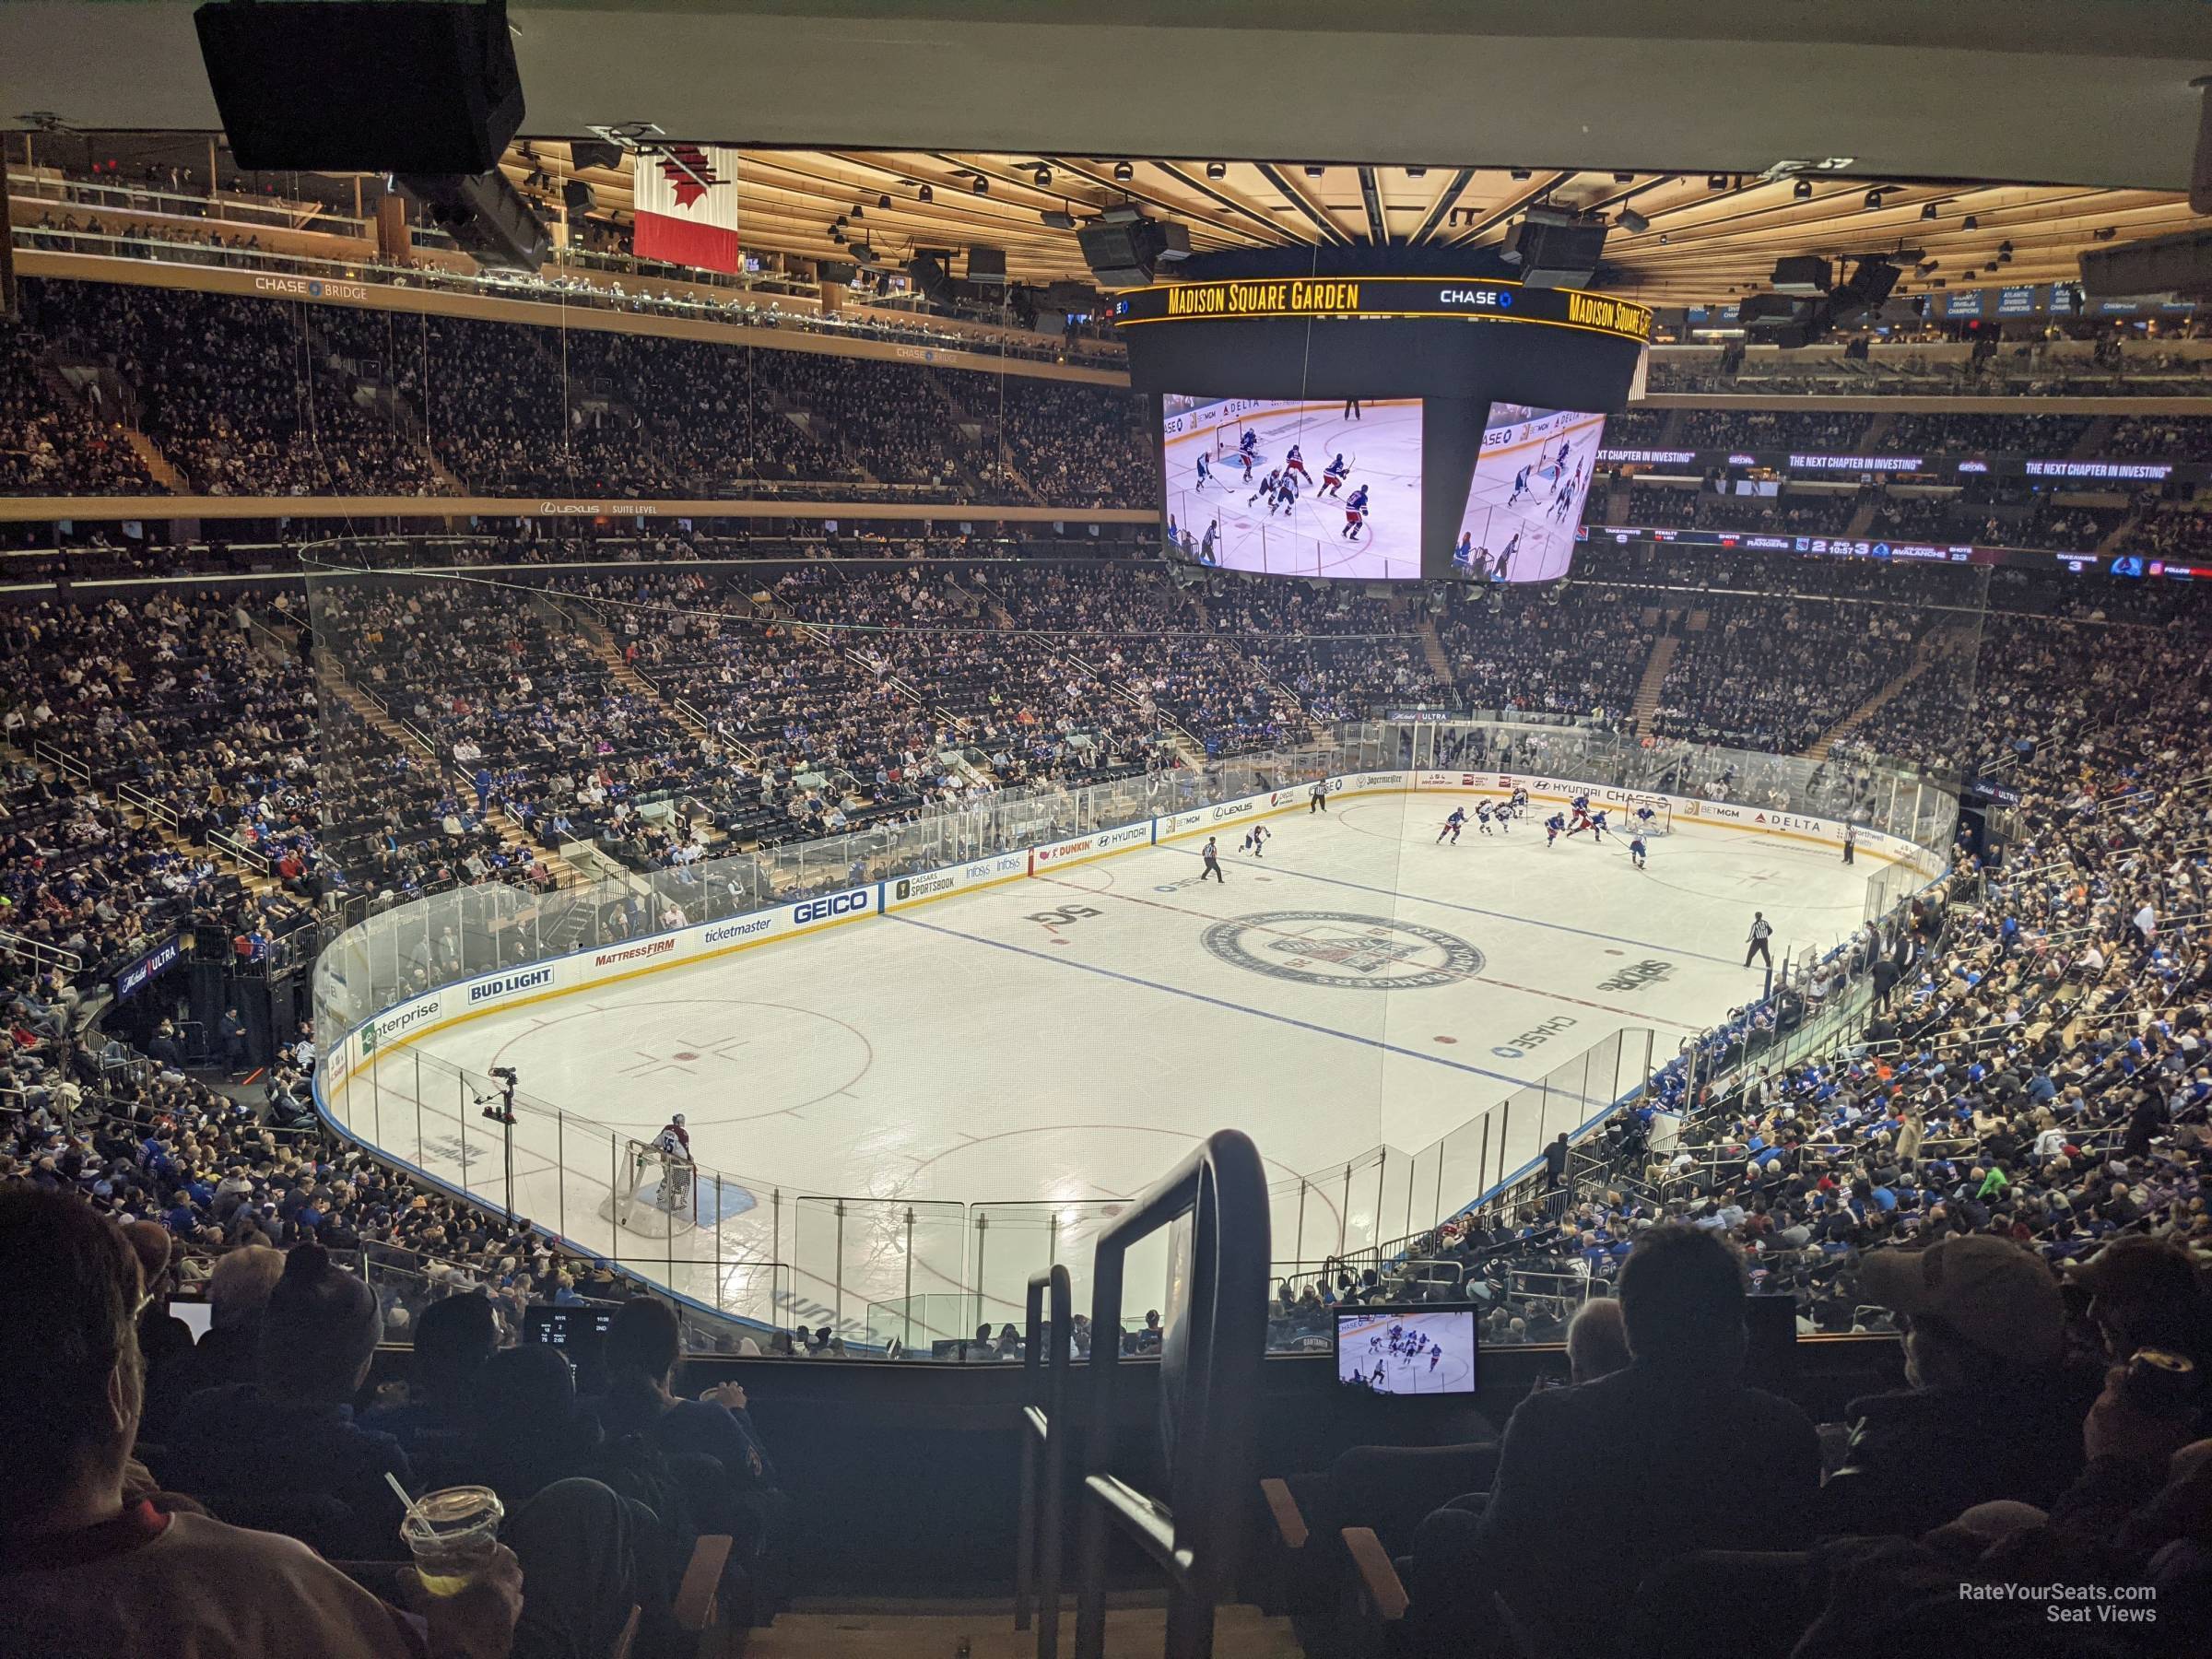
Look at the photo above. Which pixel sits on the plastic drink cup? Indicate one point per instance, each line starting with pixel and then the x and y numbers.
pixel 450 1535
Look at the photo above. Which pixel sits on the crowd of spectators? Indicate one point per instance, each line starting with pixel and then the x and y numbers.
pixel 54 444
pixel 249 396
pixel 2048 436
pixel 1811 431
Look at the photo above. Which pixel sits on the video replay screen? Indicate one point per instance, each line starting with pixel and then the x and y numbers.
pixel 1525 503
pixel 1406 1351
pixel 1295 488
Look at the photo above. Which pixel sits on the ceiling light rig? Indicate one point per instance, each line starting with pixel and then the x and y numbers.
pixel 1217 169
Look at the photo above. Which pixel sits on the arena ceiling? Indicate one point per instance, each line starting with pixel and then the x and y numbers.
pixel 1709 236
pixel 2090 103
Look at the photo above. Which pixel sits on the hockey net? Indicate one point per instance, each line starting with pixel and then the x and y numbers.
pixel 1623 818
pixel 656 1192
pixel 1227 434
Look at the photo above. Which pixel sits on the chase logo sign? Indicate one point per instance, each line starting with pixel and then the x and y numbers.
pixel 508 984
pixel 836 904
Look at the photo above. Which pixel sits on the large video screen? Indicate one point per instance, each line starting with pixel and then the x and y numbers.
pixel 1295 488
pixel 1525 503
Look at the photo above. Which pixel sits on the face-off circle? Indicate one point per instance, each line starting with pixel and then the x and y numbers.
pixel 1337 948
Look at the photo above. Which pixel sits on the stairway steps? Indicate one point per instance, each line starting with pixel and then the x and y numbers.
pixel 1649 688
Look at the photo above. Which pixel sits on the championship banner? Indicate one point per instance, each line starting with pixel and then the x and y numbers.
pixel 686 205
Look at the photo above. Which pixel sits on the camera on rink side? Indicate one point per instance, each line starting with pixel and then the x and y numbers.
pixel 501 1110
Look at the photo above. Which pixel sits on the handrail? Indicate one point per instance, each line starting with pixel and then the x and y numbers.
pixel 1210 1384
pixel 1040 1542
pixel 132 796
pixel 228 844
pixel 60 759
pixel 16 944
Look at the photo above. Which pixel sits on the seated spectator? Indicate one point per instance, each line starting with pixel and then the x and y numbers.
pixel 528 1430
pixel 87 1565
pixel 285 1447
pixel 1990 1410
pixel 1598 1341
pixel 453 1340
pixel 237 1294
pixel 710 1444
pixel 1706 1462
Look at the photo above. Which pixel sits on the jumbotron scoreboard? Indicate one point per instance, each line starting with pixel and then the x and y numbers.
pixel 1378 424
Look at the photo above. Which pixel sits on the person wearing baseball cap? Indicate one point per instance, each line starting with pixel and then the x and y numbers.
pixel 1990 1407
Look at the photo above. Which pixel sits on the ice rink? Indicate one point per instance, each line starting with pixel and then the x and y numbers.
pixel 1068 1038
pixel 1383 448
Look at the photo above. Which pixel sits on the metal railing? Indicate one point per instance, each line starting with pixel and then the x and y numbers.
pixel 37 950
pixel 1039 1544
pixel 1216 1203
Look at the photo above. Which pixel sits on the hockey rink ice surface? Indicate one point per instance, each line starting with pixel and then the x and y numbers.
pixel 1382 448
pixel 1068 1038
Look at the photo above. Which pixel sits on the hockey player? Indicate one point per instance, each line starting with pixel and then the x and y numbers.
pixel 1248 454
pixel 1597 826
pixel 1205 473
pixel 1286 494
pixel 1255 840
pixel 1519 486
pixel 1552 826
pixel 1334 475
pixel 1248 446
pixel 1355 513
pixel 1645 819
pixel 1212 856
pixel 1579 807
pixel 1452 825
pixel 1482 817
pixel 1267 486
pixel 1519 799
pixel 1295 461
pixel 1505 557
pixel 1635 851
pixel 674 1144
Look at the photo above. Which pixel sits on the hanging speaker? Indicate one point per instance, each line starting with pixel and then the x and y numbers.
pixel 396 86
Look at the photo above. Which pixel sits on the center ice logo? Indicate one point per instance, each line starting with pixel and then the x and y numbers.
pixel 1333 948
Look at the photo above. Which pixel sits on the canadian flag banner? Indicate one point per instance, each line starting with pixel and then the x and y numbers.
pixel 686 202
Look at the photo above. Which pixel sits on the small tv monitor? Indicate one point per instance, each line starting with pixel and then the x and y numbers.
pixel 565 1327
pixel 1429 1348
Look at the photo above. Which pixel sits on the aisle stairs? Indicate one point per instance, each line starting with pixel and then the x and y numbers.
pixel 1433 649
pixel 1654 678
pixel 1930 649
pixel 333 678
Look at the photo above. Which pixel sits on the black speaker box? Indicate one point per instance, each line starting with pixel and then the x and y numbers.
pixel 393 87
pixel 987 264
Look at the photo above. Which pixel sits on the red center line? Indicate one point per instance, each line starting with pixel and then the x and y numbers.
pixel 1640 1015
